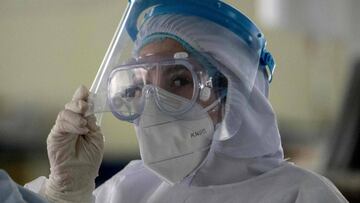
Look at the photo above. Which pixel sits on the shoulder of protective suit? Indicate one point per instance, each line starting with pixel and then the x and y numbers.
pixel 286 183
pixel 313 187
pixel 129 183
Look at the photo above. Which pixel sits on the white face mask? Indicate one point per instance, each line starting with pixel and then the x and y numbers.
pixel 170 146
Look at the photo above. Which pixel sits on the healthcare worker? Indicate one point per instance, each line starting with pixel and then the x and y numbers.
pixel 193 78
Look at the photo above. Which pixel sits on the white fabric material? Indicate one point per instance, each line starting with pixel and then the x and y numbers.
pixel 173 147
pixel 249 121
pixel 249 115
pixel 285 184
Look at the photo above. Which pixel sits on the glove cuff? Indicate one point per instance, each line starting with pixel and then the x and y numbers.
pixel 54 194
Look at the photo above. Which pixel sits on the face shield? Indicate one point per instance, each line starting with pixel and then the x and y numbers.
pixel 176 78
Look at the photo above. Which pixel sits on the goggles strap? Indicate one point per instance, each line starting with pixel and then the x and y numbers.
pixel 268 62
pixel 213 105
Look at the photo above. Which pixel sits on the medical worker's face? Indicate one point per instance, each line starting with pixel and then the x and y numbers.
pixel 179 80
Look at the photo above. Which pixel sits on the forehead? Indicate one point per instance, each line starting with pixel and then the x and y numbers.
pixel 161 47
pixel 166 48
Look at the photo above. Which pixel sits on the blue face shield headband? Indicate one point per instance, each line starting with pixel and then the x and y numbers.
pixel 214 10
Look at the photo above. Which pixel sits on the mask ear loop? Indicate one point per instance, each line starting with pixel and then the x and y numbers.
pixel 213 106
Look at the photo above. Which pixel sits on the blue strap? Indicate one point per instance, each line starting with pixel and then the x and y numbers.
pixel 267 61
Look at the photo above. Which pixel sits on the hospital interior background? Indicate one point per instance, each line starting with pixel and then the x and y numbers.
pixel 48 48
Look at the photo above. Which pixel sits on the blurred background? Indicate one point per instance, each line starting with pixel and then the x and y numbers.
pixel 48 48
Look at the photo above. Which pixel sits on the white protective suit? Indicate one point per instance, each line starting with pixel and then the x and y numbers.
pixel 248 167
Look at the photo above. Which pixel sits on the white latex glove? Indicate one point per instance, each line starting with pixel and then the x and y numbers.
pixel 75 150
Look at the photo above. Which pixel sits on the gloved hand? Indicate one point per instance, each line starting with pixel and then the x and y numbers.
pixel 75 150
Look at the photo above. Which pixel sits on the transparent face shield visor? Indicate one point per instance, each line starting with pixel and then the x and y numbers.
pixel 120 87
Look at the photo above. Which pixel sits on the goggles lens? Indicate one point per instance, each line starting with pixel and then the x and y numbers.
pixel 173 83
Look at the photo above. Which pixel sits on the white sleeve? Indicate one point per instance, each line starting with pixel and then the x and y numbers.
pixel 37 185
pixel 110 191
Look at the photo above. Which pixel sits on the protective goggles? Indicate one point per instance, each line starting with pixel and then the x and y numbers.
pixel 176 83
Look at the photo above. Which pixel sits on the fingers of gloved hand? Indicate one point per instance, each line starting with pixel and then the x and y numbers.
pixel 81 93
pixel 77 106
pixel 66 127
pixel 96 149
pixel 72 117
pixel 70 122
pixel 95 134
pixel 98 139
pixel 91 123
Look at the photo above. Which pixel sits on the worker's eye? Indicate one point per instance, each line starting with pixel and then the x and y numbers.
pixel 133 91
pixel 180 81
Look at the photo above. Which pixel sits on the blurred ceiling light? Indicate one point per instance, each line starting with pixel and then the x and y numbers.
pixel 269 12
pixel 319 18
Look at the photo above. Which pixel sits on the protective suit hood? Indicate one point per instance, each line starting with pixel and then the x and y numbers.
pixel 249 123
